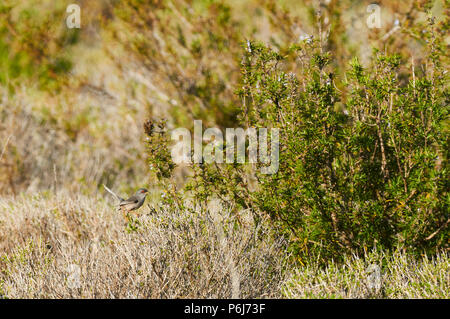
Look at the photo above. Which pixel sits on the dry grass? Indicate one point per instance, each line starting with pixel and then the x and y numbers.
pixel 71 143
pixel 400 277
pixel 197 254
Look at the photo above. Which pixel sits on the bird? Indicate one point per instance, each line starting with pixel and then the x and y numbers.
pixel 130 204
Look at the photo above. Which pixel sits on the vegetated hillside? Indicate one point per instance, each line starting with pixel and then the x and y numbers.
pixel 72 112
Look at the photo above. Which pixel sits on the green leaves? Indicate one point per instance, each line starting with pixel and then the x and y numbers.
pixel 354 175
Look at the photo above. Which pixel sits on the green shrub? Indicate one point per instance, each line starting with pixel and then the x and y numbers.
pixel 359 166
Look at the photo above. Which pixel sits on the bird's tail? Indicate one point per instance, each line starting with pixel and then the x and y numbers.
pixel 114 194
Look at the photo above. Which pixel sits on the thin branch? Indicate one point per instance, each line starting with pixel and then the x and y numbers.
pixel 438 230
pixel 4 147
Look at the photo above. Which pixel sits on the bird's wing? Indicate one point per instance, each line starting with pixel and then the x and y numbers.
pixel 132 200
pixel 114 194
pixel 131 203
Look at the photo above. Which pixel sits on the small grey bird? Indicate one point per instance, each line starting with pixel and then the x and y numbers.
pixel 132 203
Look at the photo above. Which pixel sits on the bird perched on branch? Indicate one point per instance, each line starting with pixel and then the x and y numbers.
pixel 130 204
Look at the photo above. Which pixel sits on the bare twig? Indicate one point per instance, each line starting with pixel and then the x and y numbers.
pixel 4 147
pixel 438 230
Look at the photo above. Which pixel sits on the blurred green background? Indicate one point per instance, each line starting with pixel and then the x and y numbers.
pixel 73 101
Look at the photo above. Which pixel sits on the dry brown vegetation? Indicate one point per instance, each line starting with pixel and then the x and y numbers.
pixel 185 254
